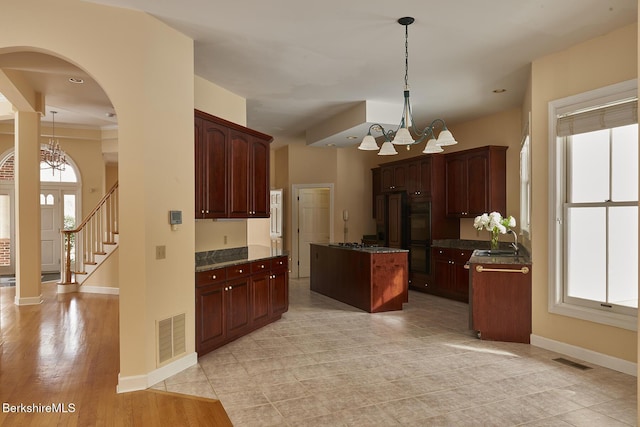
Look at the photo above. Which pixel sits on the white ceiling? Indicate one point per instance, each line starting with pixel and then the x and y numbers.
pixel 301 63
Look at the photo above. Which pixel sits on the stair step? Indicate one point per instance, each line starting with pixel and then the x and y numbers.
pixel 99 253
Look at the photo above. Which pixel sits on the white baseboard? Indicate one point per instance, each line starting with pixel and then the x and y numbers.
pixel 28 300
pixel 142 382
pixel 99 290
pixel 590 356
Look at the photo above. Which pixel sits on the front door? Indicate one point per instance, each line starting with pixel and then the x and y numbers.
pixel 50 226
pixel 313 223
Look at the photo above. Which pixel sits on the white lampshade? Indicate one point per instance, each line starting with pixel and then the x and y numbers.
pixel 446 138
pixel 368 143
pixel 387 149
pixel 432 147
pixel 403 137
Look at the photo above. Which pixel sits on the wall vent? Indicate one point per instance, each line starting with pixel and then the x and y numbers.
pixel 171 338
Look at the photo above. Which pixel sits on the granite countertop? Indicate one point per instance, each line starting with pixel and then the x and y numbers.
pixel 369 249
pixel 521 259
pixel 210 260
pixel 475 245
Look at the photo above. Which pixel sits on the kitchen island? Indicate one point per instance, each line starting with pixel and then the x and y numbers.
pixel 500 296
pixel 371 278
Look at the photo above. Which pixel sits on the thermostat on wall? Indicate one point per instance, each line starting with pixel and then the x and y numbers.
pixel 175 217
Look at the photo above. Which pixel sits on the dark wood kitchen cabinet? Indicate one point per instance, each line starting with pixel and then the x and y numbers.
pixel 451 278
pixel 211 148
pixel 222 309
pixel 476 181
pixel 279 286
pixel 418 181
pixel 235 300
pixel 231 169
pixel 393 177
pixel 501 301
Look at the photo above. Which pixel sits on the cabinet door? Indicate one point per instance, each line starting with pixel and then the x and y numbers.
pixel 442 271
pixel 386 178
pixel 412 181
pixel 239 173
pixel 259 179
pixel 210 317
pixel 260 299
pixel 477 184
pixel 461 274
pixel 279 287
pixel 456 186
pixel 424 187
pixel 395 218
pixel 210 169
pixel 238 307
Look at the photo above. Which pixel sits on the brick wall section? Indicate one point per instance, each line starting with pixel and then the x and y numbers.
pixel 5 252
pixel 6 170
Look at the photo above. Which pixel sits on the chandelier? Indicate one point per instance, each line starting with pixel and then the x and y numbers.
pixel 53 154
pixel 403 135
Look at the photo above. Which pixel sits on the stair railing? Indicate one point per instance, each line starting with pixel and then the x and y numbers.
pixel 81 244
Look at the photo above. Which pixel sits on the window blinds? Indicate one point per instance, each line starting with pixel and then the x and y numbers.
pixel 604 117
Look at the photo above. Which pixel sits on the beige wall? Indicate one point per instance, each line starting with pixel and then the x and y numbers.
pixel 155 140
pixel 603 61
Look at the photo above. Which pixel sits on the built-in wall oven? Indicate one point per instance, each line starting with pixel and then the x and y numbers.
pixel 420 236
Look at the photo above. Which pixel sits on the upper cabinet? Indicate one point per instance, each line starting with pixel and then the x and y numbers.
pixel 231 169
pixel 476 181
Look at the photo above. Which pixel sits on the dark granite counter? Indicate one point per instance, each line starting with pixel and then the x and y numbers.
pixel 361 248
pixel 210 260
pixel 520 259
pixel 475 245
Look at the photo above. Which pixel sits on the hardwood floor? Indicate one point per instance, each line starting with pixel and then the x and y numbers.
pixel 63 355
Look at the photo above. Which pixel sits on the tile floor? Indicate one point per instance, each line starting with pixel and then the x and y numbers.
pixel 328 364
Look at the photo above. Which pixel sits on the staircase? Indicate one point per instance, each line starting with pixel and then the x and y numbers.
pixel 88 245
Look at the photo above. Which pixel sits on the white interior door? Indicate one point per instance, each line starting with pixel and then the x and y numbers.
pixel 314 223
pixel 50 226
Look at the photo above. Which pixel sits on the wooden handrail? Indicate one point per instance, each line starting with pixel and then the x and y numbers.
pixel 98 206
pixel 89 236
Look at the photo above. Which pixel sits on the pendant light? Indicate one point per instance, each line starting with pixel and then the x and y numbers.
pixel 53 154
pixel 403 134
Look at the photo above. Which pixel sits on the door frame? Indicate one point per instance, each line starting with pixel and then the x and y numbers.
pixel 295 240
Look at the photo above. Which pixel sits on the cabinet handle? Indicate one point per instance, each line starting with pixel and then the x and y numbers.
pixel 240 271
pixel 213 277
pixel 523 270
pixel 226 288
pixel 262 266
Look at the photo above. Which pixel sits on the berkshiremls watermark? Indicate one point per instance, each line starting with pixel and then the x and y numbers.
pixel 38 408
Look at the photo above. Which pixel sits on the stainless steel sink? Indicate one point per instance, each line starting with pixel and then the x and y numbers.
pixel 495 252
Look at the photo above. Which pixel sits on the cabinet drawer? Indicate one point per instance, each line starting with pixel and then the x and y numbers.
pixel 239 270
pixel 280 262
pixel 211 277
pixel 262 265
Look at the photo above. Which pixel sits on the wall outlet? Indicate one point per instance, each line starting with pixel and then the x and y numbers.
pixel 161 252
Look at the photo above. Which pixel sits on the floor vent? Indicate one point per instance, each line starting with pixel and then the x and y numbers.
pixel 171 338
pixel 572 364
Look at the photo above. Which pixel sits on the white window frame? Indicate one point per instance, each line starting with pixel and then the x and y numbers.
pixel 557 164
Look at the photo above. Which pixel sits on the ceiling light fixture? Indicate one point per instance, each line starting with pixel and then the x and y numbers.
pixel 76 80
pixel 402 136
pixel 53 154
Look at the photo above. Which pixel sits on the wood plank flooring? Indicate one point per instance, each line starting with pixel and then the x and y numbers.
pixel 63 355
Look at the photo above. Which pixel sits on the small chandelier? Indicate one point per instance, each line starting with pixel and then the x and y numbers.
pixel 53 154
pixel 402 135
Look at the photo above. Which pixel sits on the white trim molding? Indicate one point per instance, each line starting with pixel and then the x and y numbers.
pixel 107 290
pixel 29 300
pixel 587 355
pixel 142 382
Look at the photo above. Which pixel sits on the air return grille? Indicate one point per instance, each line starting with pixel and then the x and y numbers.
pixel 171 338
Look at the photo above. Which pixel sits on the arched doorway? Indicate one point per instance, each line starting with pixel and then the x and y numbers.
pixel 60 203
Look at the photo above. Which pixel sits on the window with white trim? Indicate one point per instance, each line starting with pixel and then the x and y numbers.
pixel 594 182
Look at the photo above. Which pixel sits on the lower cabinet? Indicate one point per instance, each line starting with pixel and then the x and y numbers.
pixel 233 301
pixel 451 278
